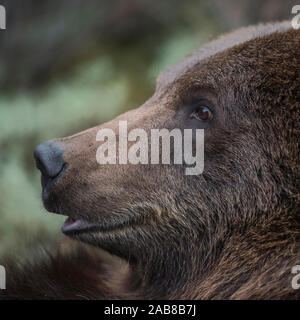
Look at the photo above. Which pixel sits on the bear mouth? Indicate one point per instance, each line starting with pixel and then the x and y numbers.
pixel 74 226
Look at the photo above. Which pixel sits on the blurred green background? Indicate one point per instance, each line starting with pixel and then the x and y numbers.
pixel 69 65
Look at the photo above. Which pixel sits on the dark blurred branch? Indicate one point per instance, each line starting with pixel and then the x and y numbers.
pixel 43 37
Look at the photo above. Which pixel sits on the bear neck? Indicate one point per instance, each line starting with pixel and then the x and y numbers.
pixel 168 272
pixel 255 263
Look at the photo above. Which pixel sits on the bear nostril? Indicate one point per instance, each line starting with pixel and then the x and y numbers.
pixel 49 159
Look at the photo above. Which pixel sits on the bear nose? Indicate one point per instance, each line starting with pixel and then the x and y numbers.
pixel 49 159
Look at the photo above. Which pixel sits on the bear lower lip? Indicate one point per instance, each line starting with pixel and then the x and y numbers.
pixel 73 225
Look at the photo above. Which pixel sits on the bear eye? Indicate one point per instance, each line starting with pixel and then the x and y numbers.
pixel 202 113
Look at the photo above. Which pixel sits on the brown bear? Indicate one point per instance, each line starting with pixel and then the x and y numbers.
pixel 143 231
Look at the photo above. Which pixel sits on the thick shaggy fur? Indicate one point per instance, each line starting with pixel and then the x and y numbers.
pixel 232 232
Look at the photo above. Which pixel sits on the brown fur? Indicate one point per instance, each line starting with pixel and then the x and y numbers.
pixel 230 233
